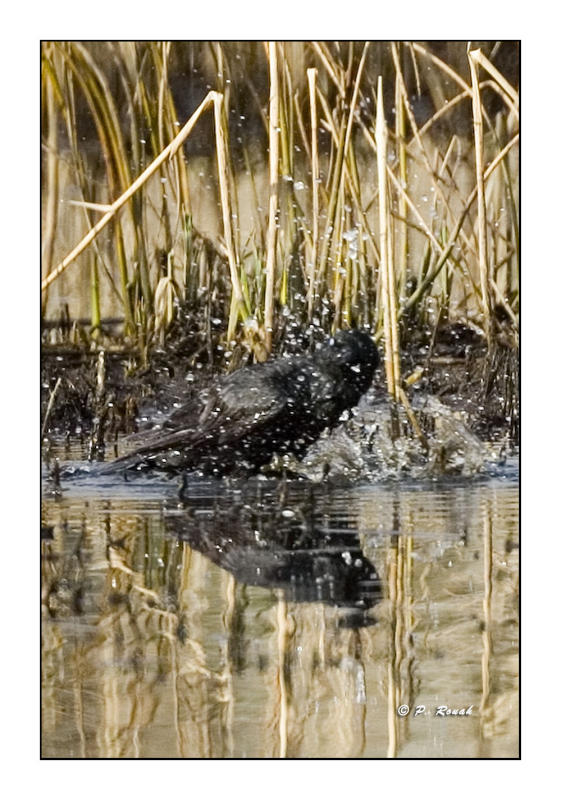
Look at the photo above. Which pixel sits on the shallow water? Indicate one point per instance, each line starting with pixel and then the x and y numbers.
pixel 267 619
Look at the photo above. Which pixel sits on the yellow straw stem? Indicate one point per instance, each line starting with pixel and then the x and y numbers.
pixel 312 77
pixel 221 155
pixel 273 193
pixel 168 152
pixel 391 335
pixel 481 59
pixel 481 206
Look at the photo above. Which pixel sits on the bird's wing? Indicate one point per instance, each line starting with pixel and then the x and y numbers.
pixel 246 401
pixel 183 418
pixel 238 404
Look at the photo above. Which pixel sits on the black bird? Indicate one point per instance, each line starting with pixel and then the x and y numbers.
pixel 245 418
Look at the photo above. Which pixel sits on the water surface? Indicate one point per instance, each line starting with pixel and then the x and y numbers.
pixel 279 619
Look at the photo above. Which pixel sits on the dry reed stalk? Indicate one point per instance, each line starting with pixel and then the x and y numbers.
pixel 95 300
pixel 420 142
pixel 123 272
pixel 507 93
pixel 333 195
pixel 165 102
pixel 162 60
pixel 51 215
pixel 258 226
pixel 288 235
pixel 273 194
pixel 444 254
pixel 50 405
pixel 62 71
pixel 354 190
pixel 100 378
pixel 419 48
pixel 481 205
pixel 338 268
pixel 349 171
pixel 116 206
pixel 341 172
pixel 345 172
pixel 97 92
pixel 354 98
pixel 393 305
pixel 331 67
pixel 224 87
pixel 410 413
pixel 302 127
pixel 237 306
pixel 391 335
pixel 481 60
pixel 164 299
pixel 438 178
pixel 402 205
pixel 312 78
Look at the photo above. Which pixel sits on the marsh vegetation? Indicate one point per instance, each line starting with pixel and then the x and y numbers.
pixel 266 193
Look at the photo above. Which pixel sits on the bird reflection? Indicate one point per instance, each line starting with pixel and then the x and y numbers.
pixel 288 540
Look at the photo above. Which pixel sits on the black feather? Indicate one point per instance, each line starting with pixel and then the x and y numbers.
pixel 245 418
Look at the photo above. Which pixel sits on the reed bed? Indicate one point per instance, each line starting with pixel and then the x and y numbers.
pixel 347 184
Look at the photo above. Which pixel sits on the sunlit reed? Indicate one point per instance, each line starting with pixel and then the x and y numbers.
pixel 320 240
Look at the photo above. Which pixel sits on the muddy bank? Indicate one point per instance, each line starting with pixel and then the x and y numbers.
pixel 463 394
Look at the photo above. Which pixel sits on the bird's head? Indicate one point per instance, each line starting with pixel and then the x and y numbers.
pixel 355 353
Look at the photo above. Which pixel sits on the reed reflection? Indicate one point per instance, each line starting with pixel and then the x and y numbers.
pixel 275 620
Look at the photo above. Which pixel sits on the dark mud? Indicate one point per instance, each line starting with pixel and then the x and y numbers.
pixel 465 395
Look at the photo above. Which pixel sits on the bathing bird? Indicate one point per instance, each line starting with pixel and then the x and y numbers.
pixel 243 419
